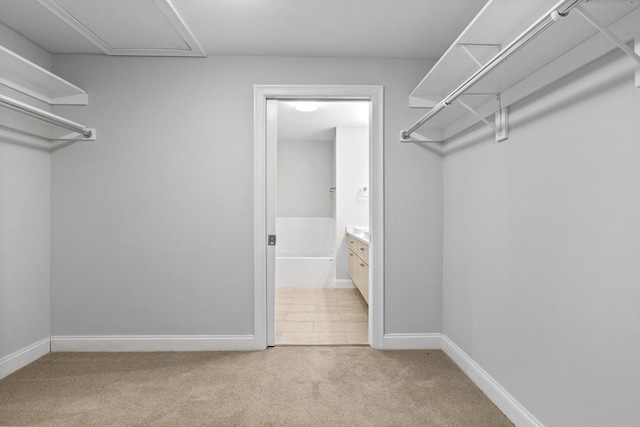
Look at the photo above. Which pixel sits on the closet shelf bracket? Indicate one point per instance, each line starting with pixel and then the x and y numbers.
pixel 500 125
pixel 613 37
pixel 465 48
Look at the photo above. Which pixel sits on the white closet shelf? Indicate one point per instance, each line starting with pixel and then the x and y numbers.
pixel 561 49
pixel 24 76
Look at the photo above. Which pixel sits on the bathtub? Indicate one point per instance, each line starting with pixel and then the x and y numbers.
pixel 305 252
pixel 306 271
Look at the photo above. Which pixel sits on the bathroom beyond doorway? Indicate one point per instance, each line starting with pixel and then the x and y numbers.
pixel 322 175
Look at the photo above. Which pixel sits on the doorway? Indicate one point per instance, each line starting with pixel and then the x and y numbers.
pixel 265 214
pixel 322 222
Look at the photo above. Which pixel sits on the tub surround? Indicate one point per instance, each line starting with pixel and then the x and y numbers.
pixel 305 252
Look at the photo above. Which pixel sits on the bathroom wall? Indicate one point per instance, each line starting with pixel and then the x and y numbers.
pixel 352 174
pixel 153 223
pixel 305 252
pixel 305 174
pixel 25 195
pixel 305 236
pixel 541 249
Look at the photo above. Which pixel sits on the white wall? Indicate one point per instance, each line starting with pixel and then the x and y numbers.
pixel 541 277
pixel 24 47
pixel 25 194
pixel 352 173
pixel 305 175
pixel 152 224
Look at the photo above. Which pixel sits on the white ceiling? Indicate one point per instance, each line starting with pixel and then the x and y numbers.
pixel 294 125
pixel 114 27
pixel 342 28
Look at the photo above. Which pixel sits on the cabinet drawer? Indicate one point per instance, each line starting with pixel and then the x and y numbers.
pixel 353 266
pixel 363 251
pixel 353 243
pixel 363 280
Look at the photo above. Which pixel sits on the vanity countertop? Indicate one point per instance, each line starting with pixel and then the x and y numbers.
pixel 360 233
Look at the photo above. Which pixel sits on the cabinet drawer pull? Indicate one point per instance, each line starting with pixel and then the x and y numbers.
pixel 361 265
pixel 350 254
pixel 362 249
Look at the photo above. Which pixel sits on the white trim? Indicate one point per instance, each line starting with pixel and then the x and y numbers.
pixel 427 341
pixel 259 219
pixel 344 284
pixel 173 19
pixel 500 397
pixel 373 93
pixel 376 218
pixel 494 391
pixel 516 413
pixel 153 343
pixel 23 357
pixel 271 179
pixel 637 50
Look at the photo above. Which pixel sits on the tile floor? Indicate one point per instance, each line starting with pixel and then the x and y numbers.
pixel 320 316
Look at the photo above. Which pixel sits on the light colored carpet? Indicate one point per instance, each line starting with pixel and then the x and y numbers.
pixel 284 386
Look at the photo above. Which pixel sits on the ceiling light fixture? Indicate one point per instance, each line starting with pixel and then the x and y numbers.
pixel 306 106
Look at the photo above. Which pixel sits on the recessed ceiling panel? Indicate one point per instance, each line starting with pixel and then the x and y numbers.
pixel 325 28
pixel 126 24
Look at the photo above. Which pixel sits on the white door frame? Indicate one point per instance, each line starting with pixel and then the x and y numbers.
pixel 372 93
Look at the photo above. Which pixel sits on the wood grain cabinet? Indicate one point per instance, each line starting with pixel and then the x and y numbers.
pixel 359 265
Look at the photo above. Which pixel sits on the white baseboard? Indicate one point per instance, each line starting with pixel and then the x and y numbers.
pixel 494 391
pixel 23 357
pixel 426 341
pixel 516 413
pixel 412 341
pixel 153 343
pixel 344 284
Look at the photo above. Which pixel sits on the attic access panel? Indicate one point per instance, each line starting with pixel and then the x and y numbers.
pixel 128 27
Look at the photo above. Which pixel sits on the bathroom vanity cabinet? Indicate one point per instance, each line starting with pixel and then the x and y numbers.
pixel 359 265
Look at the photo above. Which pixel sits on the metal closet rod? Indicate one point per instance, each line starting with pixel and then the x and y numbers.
pixel 529 34
pixel 45 116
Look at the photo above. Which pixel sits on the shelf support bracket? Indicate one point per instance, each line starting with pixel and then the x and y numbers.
pixel 500 125
pixel 613 37
pixel 465 48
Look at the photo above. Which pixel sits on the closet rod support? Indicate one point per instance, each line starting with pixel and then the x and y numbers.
pixel 465 48
pixel 471 55
pixel 475 113
pixel 607 33
pixel 514 46
pixel 500 126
